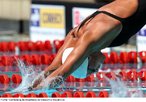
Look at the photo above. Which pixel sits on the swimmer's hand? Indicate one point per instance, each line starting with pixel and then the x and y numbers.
pixel 38 80
pixel 48 83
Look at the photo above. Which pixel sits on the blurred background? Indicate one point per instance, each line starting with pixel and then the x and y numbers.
pixel 49 20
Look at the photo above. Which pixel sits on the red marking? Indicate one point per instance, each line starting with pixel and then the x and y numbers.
pixel 16 78
pixel 56 94
pixel 78 94
pixel 90 94
pixel 103 94
pixel 67 94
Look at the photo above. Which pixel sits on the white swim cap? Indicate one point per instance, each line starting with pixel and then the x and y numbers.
pixel 81 72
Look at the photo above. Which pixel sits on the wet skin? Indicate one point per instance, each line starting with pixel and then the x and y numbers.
pixel 94 35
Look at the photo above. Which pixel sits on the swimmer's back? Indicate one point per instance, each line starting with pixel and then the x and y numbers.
pixel 132 24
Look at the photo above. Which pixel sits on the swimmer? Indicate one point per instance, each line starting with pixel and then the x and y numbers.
pixel 111 25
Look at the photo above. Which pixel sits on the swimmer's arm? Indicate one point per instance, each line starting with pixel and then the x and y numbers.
pixel 84 45
pixel 58 59
pixel 78 51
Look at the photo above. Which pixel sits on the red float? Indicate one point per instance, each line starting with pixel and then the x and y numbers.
pixel 103 94
pixel 114 58
pixel 123 57
pixel 142 75
pixel 123 75
pixel 132 75
pixel 90 78
pixel 70 79
pixel 31 95
pixel 43 95
pixel 142 55
pixel 16 78
pixel 18 95
pixel 7 95
pixel 67 94
pixel 91 94
pixel 100 76
pixel 56 94
pixel 78 94
pixel 132 56
pixel 107 59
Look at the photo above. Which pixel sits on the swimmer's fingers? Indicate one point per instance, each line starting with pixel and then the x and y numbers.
pixel 36 82
pixel 44 84
pixel 39 86
pixel 38 79
pixel 50 83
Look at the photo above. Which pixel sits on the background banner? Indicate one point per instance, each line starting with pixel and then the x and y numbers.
pixel 47 22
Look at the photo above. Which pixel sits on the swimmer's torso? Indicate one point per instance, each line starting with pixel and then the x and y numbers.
pixel 132 24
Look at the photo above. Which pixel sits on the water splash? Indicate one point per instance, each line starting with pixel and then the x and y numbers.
pixel 30 75
pixel 119 88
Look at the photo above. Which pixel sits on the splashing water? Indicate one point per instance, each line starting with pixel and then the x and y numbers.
pixel 119 89
pixel 30 74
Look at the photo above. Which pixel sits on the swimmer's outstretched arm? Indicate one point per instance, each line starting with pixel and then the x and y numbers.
pixel 69 41
pixel 92 32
